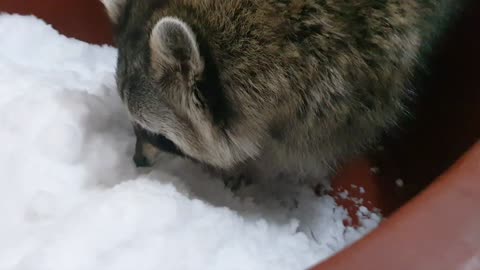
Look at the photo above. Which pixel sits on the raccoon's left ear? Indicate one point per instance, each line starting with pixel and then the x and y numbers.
pixel 114 8
pixel 174 47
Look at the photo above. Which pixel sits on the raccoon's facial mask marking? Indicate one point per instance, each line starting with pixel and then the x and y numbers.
pixel 189 100
pixel 170 83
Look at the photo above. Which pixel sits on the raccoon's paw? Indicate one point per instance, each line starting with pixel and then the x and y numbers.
pixel 235 182
pixel 233 179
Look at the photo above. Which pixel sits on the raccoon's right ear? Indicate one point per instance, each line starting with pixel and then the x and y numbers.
pixel 114 8
pixel 174 47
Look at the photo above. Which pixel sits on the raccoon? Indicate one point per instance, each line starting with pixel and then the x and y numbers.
pixel 268 87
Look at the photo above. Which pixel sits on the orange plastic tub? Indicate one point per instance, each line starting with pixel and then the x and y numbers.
pixel 433 217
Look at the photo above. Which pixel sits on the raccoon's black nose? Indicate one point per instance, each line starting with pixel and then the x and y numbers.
pixel 141 161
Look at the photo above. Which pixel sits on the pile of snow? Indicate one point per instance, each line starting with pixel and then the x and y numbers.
pixel 71 198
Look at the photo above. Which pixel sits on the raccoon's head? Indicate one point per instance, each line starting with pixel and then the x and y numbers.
pixel 170 85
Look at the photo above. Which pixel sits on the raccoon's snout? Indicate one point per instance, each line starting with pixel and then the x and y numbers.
pixel 146 152
pixel 141 116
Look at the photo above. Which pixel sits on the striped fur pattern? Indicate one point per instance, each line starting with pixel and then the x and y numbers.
pixel 270 86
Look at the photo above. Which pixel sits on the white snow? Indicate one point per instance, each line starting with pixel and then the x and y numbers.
pixel 399 182
pixel 71 198
pixel 344 194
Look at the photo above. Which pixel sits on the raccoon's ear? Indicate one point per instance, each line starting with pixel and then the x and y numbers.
pixel 114 8
pixel 174 47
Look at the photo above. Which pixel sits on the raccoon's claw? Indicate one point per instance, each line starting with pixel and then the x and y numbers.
pixel 236 182
pixel 233 183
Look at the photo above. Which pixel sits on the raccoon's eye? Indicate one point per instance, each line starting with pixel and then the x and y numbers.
pixel 162 143
pixel 166 145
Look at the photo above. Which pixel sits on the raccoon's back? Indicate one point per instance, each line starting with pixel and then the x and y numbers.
pixel 330 75
pixel 313 44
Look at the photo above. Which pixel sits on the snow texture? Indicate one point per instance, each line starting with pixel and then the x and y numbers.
pixel 71 197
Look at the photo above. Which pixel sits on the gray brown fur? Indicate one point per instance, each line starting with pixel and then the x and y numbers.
pixel 294 86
